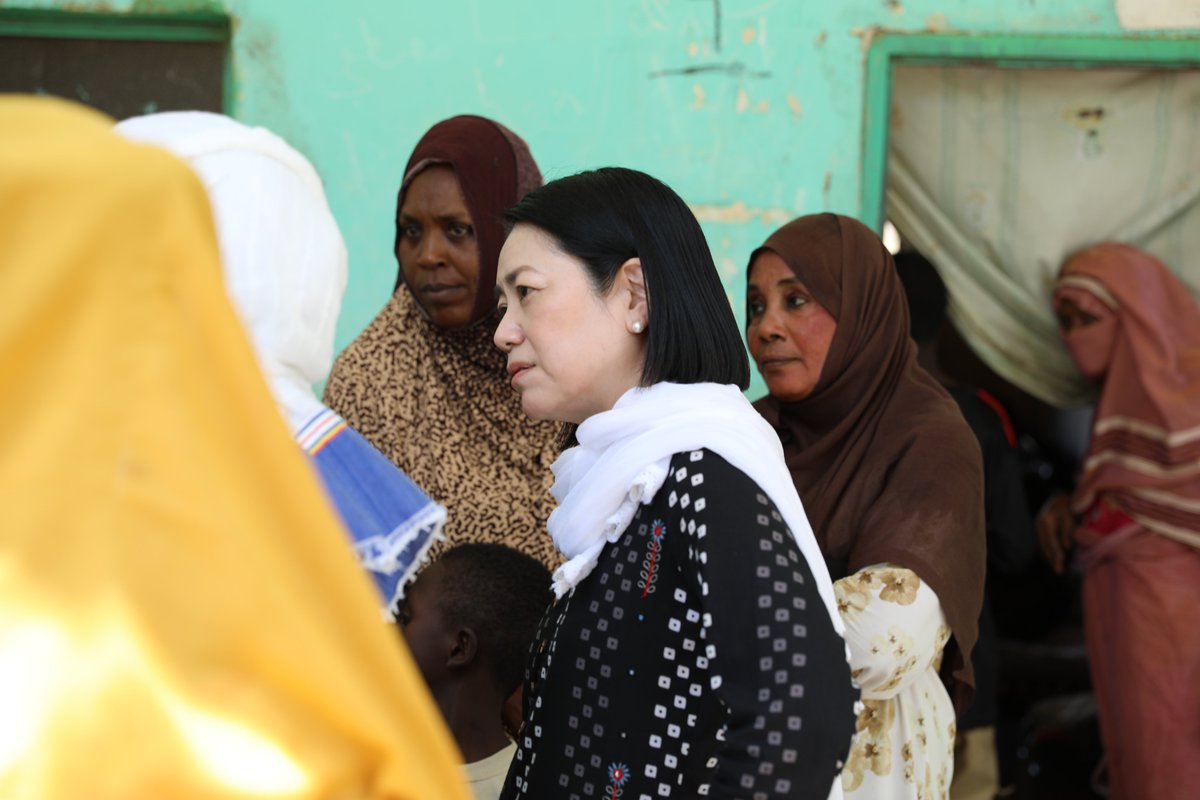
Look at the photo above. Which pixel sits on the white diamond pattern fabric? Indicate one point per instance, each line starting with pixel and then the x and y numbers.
pixel 696 659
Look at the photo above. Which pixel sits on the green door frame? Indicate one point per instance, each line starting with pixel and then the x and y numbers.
pixel 1063 52
pixel 193 26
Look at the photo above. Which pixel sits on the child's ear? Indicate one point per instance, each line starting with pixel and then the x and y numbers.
pixel 464 650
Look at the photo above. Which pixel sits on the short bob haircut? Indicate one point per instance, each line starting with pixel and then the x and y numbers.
pixel 607 216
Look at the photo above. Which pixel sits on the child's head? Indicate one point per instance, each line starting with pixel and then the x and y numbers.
pixel 475 609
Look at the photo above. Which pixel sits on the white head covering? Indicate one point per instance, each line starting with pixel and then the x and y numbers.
pixel 284 258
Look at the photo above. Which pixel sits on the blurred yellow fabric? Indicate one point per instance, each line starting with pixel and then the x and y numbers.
pixel 180 614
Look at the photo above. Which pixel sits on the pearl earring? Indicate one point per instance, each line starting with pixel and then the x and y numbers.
pixel 636 326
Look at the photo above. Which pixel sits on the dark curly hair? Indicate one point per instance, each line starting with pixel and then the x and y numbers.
pixel 501 594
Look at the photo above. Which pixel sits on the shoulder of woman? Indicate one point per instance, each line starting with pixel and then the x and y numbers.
pixel 706 473
pixel 936 441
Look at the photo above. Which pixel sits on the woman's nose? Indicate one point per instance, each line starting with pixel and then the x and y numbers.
pixel 770 325
pixel 432 251
pixel 508 333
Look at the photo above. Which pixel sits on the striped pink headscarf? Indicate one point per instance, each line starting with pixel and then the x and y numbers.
pixel 1145 346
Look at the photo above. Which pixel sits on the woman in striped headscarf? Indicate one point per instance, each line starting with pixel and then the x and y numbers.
pixel 1134 327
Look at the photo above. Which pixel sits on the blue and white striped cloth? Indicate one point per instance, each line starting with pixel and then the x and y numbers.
pixel 392 521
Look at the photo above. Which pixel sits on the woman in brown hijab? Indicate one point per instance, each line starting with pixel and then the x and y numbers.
pixel 891 478
pixel 424 383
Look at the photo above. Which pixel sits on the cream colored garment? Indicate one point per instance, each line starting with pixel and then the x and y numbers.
pixel 179 614
pixel 998 174
pixel 284 257
pixel 486 777
pixel 896 631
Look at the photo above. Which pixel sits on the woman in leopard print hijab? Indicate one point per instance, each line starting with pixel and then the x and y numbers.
pixel 424 383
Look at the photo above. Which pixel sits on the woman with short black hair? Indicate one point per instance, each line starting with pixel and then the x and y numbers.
pixel 694 647
pixel 692 335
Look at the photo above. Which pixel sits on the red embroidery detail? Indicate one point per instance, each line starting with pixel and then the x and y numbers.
pixel 650 563
pixel 617 775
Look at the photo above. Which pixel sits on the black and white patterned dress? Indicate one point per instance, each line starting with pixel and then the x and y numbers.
pixel 696 660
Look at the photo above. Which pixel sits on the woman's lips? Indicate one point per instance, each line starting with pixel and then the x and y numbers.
pixel 442 291
pixel 517 369
pixel 779 361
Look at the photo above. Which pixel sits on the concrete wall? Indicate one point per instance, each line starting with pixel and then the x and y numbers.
pixel 751 109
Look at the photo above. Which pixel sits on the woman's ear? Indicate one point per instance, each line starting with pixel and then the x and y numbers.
pixel 634 282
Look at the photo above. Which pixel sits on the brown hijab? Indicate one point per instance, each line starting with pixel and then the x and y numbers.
pixel 437 401
pixel 886 467
pixel 494 168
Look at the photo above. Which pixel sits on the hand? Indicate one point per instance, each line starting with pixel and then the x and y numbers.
pixel 1056 531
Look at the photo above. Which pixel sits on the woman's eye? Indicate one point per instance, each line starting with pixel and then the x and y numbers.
pixel 796 300
pixel 523 291
pixel 754 308
pixel 459 230
pixel 410 232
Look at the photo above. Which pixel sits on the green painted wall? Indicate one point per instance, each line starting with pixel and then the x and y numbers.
pixel 772 129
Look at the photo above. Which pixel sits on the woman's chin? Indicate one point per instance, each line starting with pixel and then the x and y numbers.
pixel 789 391
pixel 449 316
pixel 535 410
pixel 541 412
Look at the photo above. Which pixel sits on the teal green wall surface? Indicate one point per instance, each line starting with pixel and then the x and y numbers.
pixel 751 109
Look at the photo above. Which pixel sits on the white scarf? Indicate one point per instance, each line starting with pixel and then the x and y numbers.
pixel 622 460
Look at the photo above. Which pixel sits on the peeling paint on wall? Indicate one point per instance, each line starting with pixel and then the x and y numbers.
pixel 740 214
pixel 1158 14
pixel 660 13
pixel 866 36
pixel 729 272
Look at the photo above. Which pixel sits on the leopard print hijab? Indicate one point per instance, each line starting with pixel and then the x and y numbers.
pixel 437 401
